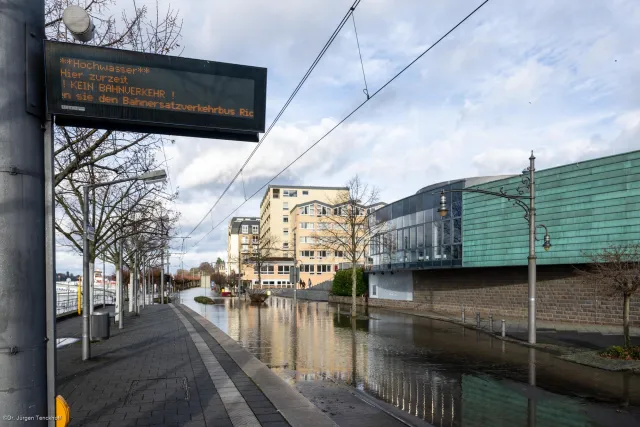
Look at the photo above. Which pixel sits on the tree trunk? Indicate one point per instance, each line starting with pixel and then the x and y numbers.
pixel 625 320
pixel 259 276
pixel 353 290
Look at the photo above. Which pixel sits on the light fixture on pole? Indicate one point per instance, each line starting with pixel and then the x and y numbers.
pixel 528 181
pixel 154 176
pixel 79 23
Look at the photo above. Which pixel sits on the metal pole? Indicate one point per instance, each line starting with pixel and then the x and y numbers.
pixel 478 320
pixel 50 268
pixel 86 309
pixel 491 323
pixel 532 250
pixel 104 285
pixel 162 277
pixel 504 329
pixel 463 315
pixel 136 283
pixel 144 283
pixel 120 289
pixel 118 282
pixel 23 359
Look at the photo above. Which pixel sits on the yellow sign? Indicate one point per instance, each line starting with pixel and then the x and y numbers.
pixel 63 413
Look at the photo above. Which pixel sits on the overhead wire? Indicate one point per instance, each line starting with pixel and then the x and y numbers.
pixel 324 49
pixel 346 117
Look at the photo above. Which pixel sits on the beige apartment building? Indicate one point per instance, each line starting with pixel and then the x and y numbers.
pixel 289 218
pixel 289 210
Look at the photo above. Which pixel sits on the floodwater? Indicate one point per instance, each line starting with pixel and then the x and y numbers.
pixel 436 371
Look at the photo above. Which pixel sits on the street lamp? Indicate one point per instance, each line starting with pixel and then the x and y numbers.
pixel 79 23
pixel 528 181
pixel 155 176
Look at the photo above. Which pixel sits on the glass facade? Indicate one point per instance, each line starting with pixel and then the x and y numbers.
pixel 413 235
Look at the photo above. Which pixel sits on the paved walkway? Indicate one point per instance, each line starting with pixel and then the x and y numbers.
pixel 171 367
pixel 577 335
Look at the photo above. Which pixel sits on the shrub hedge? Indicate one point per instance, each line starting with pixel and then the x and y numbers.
pixel 342 283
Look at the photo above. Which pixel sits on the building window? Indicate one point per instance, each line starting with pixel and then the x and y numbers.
pixel 340 254
pixel 276 193
pixel 245 229
pixel 337 211
pixel 285 232
pixel 374 290
pixel 285 206
pixel 285 245
pixel 306 225
pixel 254 229
pixel 265 269
pixel 323 211
pixel 306 253
pixel 307 210
pixel 305 239
pixel 245 240
pixel 324 268
pixel 283 269
pixel 322 254
pixel 245 248
pixel 254 240
pixel 307 268
pixel 290 193
pixel 285 219
pixel 305 193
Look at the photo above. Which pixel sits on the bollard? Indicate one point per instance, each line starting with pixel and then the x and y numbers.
pixel 504 329
pixel 463 315
pixel 491 323
pixel 478 320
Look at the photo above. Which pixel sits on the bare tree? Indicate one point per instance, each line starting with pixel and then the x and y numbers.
pixel 349 227
pixel 139 30
pixel 617 270
pixel 262 251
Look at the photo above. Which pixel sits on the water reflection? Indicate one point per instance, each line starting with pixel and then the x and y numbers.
pixel 433 370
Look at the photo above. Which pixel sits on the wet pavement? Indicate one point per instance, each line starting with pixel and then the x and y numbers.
pixel 427 369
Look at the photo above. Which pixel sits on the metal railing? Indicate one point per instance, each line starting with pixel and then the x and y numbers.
pixel 68 303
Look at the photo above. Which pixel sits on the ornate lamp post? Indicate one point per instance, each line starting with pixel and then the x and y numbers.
pixel 528 181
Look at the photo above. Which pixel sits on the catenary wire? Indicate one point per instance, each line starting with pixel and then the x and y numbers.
pixel 284 107
pixel 345 118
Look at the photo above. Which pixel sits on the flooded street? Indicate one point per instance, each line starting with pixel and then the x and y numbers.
pixel 436 371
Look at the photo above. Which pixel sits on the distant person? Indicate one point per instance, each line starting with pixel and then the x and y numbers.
pixel 309 281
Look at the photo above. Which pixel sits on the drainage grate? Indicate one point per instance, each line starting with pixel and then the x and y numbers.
pixel 157 390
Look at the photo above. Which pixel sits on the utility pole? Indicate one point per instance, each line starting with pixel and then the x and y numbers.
pixel 23 336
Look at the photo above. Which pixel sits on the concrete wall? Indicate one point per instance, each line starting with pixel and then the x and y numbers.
pixel 587 206
pixel 397 286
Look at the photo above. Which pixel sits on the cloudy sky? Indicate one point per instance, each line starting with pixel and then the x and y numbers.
pixel 556 77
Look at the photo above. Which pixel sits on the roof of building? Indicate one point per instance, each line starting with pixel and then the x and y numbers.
pixel 237 222
pixel 298 187
pixel 468 182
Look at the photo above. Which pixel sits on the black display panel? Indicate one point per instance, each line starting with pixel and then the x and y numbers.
pixel 124 90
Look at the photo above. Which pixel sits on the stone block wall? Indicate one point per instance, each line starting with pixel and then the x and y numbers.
pixel 561 295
